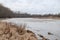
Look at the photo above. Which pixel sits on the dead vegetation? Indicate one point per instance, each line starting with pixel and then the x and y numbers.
pixel 13 32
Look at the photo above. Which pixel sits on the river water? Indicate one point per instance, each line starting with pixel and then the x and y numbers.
pixel 40 26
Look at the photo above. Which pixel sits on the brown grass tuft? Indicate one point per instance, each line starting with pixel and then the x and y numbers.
pixel 14 32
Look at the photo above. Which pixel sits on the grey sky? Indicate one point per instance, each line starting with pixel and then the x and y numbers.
pixel 33 6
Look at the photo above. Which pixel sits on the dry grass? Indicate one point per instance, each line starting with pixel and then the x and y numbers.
pixel 14 32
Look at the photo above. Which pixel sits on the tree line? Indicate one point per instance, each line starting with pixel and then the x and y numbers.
pixel 7 13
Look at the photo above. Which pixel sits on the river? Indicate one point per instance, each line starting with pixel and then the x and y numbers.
pixel 40 26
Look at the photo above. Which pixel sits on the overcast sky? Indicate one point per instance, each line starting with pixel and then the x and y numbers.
pixel 33 6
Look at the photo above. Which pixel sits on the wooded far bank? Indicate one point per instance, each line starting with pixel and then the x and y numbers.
pixel 7 13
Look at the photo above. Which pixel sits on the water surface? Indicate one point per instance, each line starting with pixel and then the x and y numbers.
pixel 40 26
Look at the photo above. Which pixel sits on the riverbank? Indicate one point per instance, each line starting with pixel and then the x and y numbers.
pixel 34 18
pixel 10 31
pixel 39 26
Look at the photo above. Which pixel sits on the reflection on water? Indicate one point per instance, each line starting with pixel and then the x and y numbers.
pixel 40 26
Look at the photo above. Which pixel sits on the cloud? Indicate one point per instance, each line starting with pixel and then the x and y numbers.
pixel 33 6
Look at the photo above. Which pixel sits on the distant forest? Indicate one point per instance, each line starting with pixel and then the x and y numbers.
pixel 7 13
